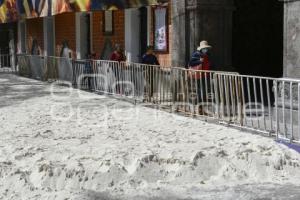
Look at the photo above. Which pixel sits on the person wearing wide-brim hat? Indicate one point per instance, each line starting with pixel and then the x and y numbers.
pixel 200 58
pixel 204 45
pixel 201 61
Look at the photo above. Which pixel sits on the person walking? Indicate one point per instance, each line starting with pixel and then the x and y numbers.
pixel 35 48
pixel 200 60
pixel 65 69
pixel 149 58
pixel 89 71
pixel 37 67
pixel 118 56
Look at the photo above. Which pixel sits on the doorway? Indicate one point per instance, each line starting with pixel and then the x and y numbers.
pixel 258 37
pixel 83 35
pixel 132 35
pixel 136 33
pixel 49 38
pixel 4 41
pixel 8 38
pixel 144 32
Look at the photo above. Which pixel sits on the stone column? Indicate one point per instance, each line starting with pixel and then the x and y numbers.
pixel 211 20
pixel 291 53
pixel 178 17
pixel 49 40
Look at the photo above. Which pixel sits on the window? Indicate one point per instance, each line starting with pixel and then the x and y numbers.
pixel 108 22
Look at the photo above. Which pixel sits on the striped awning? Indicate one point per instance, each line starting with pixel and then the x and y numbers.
pixel 13 10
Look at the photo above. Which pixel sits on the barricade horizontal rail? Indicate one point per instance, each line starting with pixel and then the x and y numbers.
pixel 262 104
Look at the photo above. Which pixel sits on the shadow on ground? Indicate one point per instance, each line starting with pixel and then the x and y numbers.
pixel 245 192
pixel 14 90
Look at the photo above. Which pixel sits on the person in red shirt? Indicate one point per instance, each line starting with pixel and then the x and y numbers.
pixel 118 54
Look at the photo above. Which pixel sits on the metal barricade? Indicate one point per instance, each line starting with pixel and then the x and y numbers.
pixel 7 63
pixel 105 76
pixel 64 70
pixel 131 80
pixel 83 77
pixel 37 67
pixel 24 65
pixel 194 92
pixel 32 66
pixel 51 68
pixel 261 104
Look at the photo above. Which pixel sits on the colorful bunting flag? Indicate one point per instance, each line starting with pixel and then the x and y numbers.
pixel 12 10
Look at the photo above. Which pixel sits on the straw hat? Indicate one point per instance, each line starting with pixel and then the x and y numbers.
pixel 203 45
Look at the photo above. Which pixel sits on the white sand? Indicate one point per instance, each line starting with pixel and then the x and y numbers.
pixel 70 146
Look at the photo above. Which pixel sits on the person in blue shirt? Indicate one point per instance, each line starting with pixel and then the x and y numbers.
pixel 150 59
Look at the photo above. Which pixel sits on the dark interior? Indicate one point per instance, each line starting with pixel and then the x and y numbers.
pixel 7 31
pixel 4 40
pixel 143 30
pixel 258 37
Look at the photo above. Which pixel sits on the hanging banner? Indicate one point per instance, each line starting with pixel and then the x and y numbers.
pixel 160 29
pixel 13 10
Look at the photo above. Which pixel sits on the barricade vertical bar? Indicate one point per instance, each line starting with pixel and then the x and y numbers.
pixel 206 90
pixel 243 102
pixel 133 75
pixel 186 96
pixel 298 111
pixel 262 102
pixel 153 91
pixel 256 102
pixel 227 98
pixel 157 85
pixel 276 109
pixel 238 100
pixel 216 95
pixel 162 86
pixel 283 109
pixel 157 82
pixel 150 81
pixel 291 111
pixel 269 106
pixel 249 101
pixel 94 74
pixel 222 93
pixel 173 89
pixel 201 91
pixel 197 93
pixel 232 100
pixel 159 88
pixel 177 76
pixel 191 98
pixel 212 92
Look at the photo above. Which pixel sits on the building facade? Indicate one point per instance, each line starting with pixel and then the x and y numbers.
pixel 248 36
pixel 85 32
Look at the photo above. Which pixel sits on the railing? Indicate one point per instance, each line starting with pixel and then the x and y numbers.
pixel 261 104
pixel 7 63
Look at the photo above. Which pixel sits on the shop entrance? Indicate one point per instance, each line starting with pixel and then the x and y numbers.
pixel 258 37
